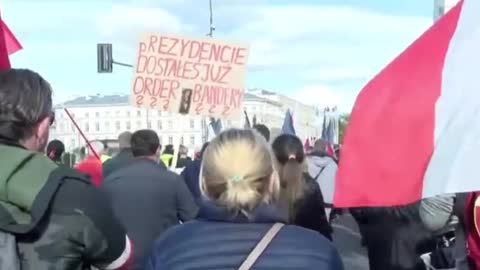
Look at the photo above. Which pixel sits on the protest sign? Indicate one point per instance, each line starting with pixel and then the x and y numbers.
pixel 189 76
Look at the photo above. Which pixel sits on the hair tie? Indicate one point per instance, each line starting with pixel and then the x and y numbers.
pixel 292 157
pixel 236 178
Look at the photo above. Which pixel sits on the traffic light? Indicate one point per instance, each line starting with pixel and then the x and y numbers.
pixel 104 58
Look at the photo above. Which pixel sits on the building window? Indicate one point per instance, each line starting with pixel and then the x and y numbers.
pixel 86 115
pixel 129 127
pixel 128 113
pixel 117 126
pixel 97 126
pixel 170 140
pixel 159 113
pixel 181 140
pixel 159 124
pixel 117 113
pixel 97 114
pixel 139 113
pixel 192 140
pixel 170 124
pixel 149 124
pixel 161 140
pixel 192 123
pixel 72 127
pixel 139 124
pixel 87 127
pixel 60 128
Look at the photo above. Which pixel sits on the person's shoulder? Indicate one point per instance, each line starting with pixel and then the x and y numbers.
pixel 308 238
pixel 178 234
pixel 76 193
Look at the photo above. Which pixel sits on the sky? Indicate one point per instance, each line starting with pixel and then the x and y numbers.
pixel 321 52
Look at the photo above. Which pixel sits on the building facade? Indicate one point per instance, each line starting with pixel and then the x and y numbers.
pixel 105 117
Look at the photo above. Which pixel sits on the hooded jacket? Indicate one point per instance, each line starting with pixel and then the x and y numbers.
pixel 58 219
pixel 323 169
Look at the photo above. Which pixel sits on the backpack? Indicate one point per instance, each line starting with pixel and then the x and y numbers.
pixel 9 259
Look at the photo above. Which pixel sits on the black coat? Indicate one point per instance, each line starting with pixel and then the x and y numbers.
pixel 393 236
pixel 218 240
pixel 148 199
pixel 310 211
pixel 122 159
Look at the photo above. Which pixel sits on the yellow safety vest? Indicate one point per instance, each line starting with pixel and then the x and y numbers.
pixel 104 158
pixel 166 159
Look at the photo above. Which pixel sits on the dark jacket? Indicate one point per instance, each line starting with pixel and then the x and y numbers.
pixel 148 199
pixel 122 159
pixel 59 219
pixel 183 161
pixel 310 211
pixel 191 175
pixel 393 236
pixel 217 240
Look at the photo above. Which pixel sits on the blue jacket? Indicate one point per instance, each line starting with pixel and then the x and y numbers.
pixel 191 175
pixel 217 240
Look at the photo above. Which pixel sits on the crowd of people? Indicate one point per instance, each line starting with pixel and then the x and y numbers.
pixel 243 201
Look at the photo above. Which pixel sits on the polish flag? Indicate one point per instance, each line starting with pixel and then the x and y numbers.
pixel 414 131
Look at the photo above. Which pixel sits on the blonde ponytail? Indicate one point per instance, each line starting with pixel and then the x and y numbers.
pixel 237 169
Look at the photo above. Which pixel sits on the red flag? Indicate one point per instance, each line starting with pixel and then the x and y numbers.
pixel 10 40
pixel 408 111
pixel 8 45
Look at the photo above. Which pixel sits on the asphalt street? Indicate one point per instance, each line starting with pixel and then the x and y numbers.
pixel 347 240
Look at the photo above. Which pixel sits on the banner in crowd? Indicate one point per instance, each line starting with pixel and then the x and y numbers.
pixel 414 129
pixel 189 76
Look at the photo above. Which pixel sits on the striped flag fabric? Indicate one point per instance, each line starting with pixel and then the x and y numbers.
pixel 288 127
pixel 8 45
pixel 414 130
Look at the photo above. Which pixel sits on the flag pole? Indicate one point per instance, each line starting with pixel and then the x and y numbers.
pixel 81 133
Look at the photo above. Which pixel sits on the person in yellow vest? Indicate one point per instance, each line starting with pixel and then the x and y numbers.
pixel 104 157
pixel 167 155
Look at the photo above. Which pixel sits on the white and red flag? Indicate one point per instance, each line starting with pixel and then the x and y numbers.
pixel 414 131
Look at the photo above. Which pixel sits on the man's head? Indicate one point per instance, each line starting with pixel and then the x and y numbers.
pixel 124 140
pixel 98 147
pixel 320 146
pixel 145 143
pixel 25 108
pixel 263 130
pixel 183 150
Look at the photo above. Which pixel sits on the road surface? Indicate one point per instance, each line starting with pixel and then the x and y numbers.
pixel 347 240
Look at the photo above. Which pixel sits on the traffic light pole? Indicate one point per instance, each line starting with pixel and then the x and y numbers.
pixel 121 64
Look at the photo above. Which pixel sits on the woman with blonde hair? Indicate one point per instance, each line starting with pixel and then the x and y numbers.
pixel 300 194
pixel 238 226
